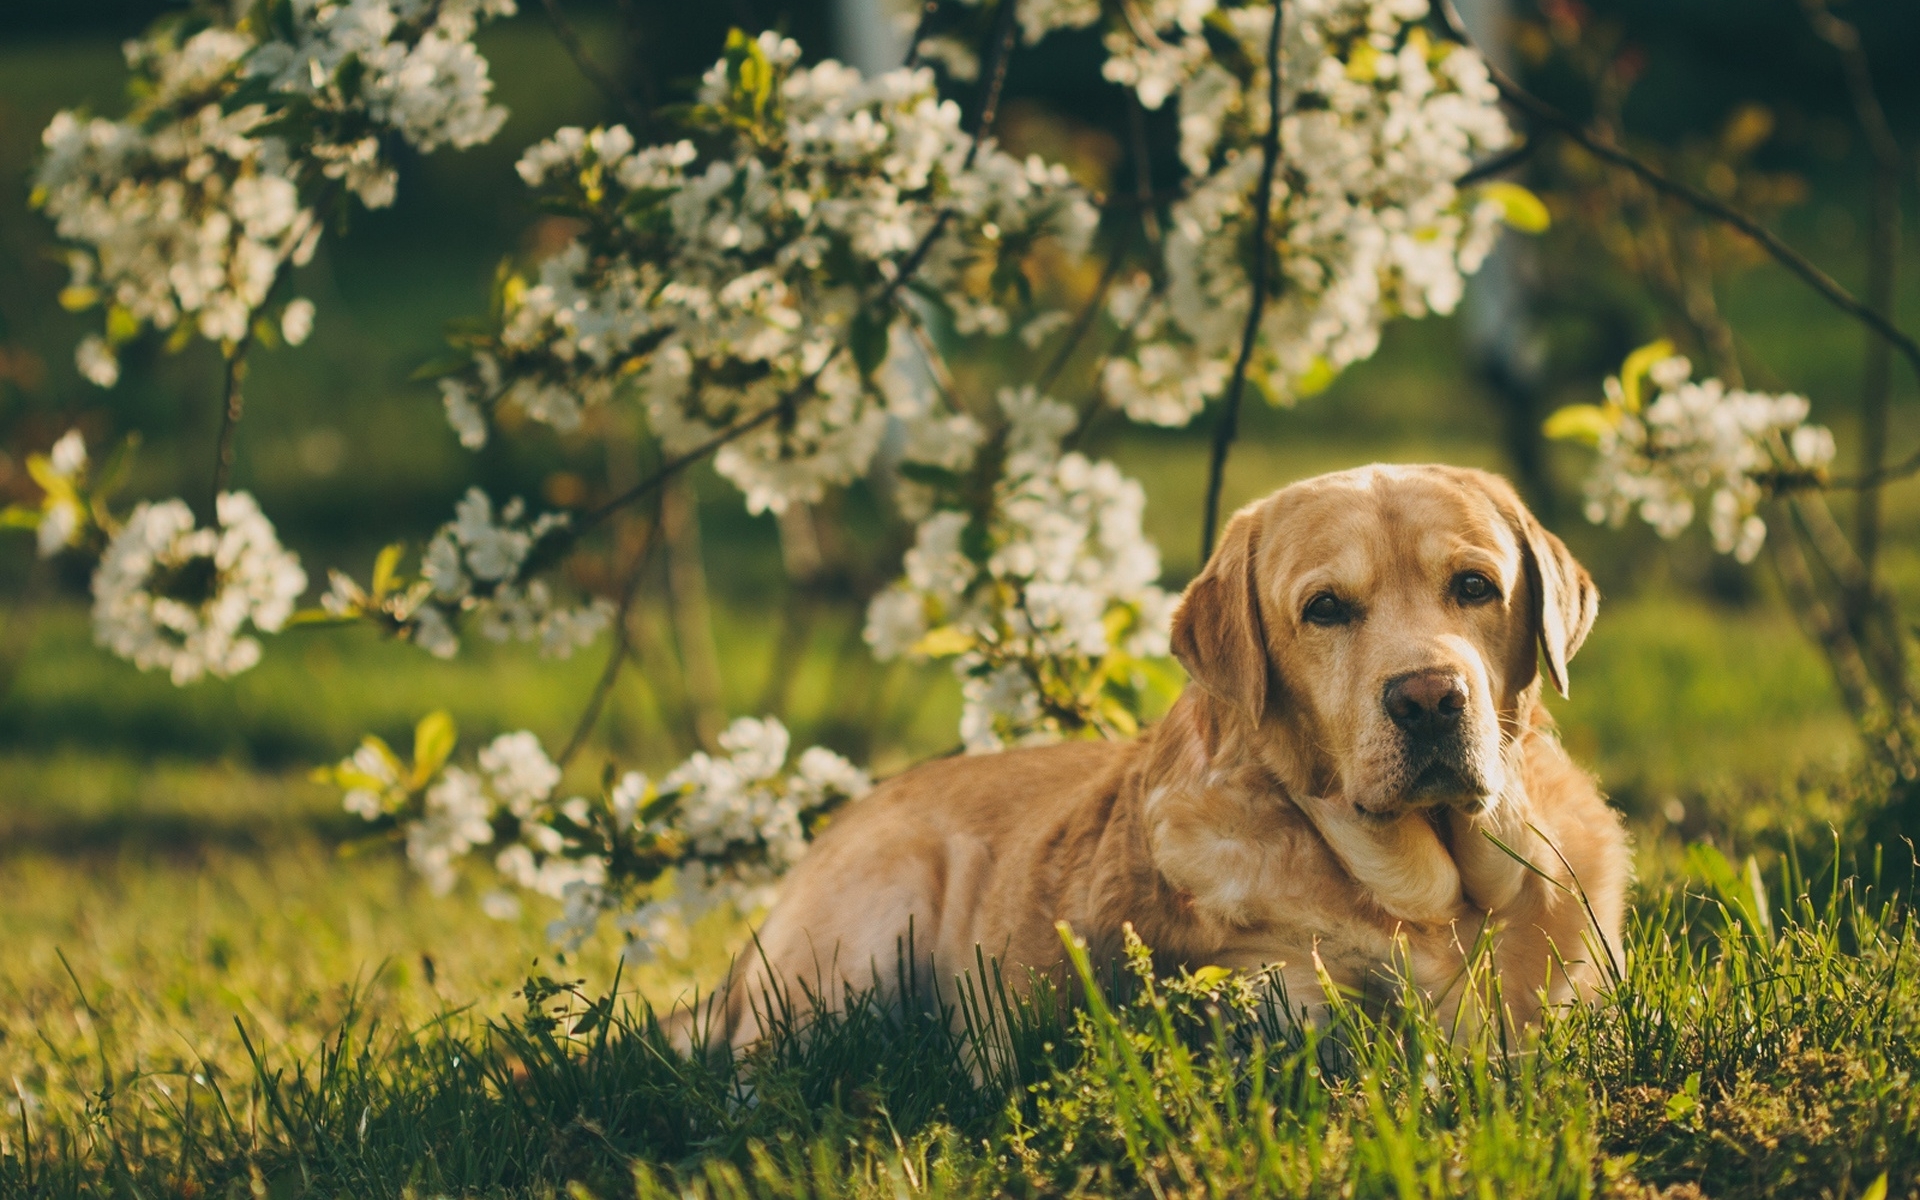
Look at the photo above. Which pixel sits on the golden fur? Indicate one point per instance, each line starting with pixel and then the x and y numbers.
pixel 1274 816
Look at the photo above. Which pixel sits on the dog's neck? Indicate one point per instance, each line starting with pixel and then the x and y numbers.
pixel 1222 819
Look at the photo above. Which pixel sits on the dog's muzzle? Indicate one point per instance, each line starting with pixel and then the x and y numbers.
pixel 1437 764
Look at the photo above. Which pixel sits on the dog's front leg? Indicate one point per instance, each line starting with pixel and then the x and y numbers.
pixel 1400 860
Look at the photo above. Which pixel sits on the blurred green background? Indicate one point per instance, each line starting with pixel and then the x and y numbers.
pixel 137 819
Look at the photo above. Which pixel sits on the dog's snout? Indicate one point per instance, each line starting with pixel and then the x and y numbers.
pixel 1426 703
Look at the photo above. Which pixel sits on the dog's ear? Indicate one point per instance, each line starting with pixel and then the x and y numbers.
pixel 1565 601
pixel 1217 632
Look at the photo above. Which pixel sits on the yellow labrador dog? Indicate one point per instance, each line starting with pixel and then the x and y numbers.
pixel 1366 651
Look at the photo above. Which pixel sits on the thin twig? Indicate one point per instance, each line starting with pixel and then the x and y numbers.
pixel 232 404
pixel 1142 168
pixel 591 68
pixel 927 11
pixel 994 78
pixel 1090 313
pixel 1224 432
pixel 1499 164
pixel 1551 117
pixel 617 656
pixel 1883 251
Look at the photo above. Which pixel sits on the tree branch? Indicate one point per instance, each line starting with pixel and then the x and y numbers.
pixel 591 68
pixel 1223 433
pixel 1500 163
pixel 1552 118
pixel 617 656
pixel 1883 251
pixel 1083 323
pixel 231 407
pixel 994 77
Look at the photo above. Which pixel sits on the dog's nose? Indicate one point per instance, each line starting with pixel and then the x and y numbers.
pixel 1426 703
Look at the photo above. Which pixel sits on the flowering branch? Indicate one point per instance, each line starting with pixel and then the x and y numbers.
pixel 1229 425
pixel 1785 255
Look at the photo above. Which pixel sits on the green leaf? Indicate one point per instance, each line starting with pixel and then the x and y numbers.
pixel 315 616
pixel 1519 207
pixel 79 299
pixel 945 642
pixel 1318 376
pixel 441 367
pixel 1877 1190
pixel 1212 977
pixel 1634 371
pixel 122 325
pixel 433 741
pixel 266 332
pixel 1586 423
pixel 867 338
pixel 16 516
pixel 931 475
pixel 113 472
pixel 385 567
pixel 1683 1107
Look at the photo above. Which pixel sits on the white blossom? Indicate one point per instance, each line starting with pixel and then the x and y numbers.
pixel 171 596
pixel 61 475
pixel 296 322
pixel 1694 439
pixel 737 276
pixel 1062 570
pixel 456 819
pixel 475 562
pixel 189 209
pixel 1377 122
pixel 519 771
pixel 719 830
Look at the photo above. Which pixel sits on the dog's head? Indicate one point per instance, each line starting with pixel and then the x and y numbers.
pixel 1381 632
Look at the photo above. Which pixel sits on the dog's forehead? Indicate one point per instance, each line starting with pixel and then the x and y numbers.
pixel 1350 521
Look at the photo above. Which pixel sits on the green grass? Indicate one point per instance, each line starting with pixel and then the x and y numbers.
pixel 1749 1047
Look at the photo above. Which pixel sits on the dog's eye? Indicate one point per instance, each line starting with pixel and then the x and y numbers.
pixel 1327 609
pixel 1473 588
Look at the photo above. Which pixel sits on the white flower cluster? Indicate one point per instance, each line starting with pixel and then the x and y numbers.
pixel 171 596
pixel 1378 121
pixel 63 516
pixel 183 214
pixel 742 822
pixel 1047 603
pixel 722 284
pixel 1737 447
pixel 475 562
pixel 713 831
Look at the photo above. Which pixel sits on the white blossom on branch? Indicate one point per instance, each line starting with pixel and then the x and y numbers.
pixel 171 596
pixel 182 215
pixel 1047 603
pixel 717 284
pixel 1693 440
pixel 485 563
pixel 1378 119
pixel 716 830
